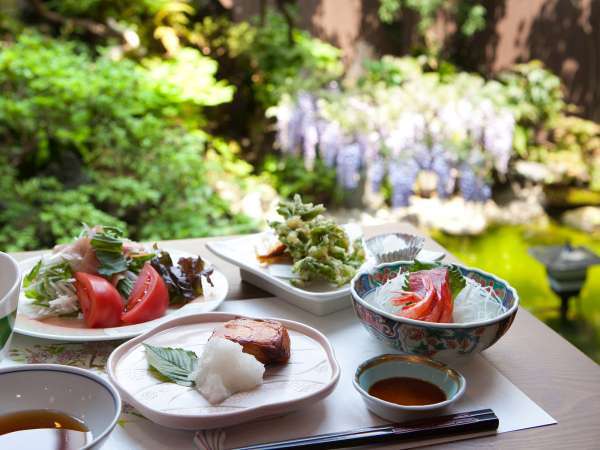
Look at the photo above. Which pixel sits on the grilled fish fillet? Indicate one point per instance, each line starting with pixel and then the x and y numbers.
pixel 267 340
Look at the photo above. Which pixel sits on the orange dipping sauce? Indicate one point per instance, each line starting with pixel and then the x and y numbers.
pixel 407 391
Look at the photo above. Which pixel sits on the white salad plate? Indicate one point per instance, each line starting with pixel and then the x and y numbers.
pixel 310 375
pixel 74 329
pixel 318 298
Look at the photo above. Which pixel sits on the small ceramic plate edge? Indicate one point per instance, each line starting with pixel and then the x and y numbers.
pixel 218 420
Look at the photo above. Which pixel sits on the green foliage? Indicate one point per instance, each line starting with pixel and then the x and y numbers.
pixel 534 93
pixel 190 77
pixel 87 139
pixel 289 176
pixel 284 68
pixel 275 65
pixel 570 150
pixel 469 15
pixel 153 25
pixel 39 212
pixel 394 71
pixel 569 146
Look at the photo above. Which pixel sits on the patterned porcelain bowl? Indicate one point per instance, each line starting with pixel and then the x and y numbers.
pixel 444 341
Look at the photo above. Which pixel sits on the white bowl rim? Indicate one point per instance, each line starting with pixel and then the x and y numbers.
pixel 422 323
pixel 83 373
pixel 459 393
pixel 13 262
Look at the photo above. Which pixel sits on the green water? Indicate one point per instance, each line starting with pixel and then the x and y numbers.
pixel 503 251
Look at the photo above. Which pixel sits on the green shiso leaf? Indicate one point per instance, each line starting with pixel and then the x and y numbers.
pixel 109 250
pixel 457 280
pixel 177 364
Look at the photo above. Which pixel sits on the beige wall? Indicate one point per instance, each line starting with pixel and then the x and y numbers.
pixel 565 34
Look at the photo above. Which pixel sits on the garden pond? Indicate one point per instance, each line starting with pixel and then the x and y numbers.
pixel 503 250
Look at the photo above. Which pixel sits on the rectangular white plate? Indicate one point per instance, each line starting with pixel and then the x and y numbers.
pixel 319 298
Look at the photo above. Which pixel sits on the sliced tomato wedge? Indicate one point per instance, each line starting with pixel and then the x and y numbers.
pixel 100 302
pixel 149 297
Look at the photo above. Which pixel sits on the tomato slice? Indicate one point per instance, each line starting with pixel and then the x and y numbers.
pixel 100 302
pixel 149 298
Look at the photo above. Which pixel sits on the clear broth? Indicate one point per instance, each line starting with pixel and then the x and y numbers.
pixel 42 429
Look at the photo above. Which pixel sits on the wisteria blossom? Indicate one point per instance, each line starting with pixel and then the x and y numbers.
pixel 453 130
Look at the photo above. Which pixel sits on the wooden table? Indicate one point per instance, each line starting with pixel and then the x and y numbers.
pixel 551 371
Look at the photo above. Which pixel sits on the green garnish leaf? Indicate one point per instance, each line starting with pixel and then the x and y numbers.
pixel 177 364
pixel 32 275
pixel 125 286
pixel 41 283
pixel 108 245
pixel 457 280
pixel 136 262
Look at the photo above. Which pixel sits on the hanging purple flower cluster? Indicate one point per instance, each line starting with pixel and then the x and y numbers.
pixel 399 132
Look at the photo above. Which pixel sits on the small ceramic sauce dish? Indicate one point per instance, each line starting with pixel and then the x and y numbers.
pixel 422 372
pixel 75 392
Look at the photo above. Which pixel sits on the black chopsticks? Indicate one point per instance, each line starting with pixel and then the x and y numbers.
pixel 433 427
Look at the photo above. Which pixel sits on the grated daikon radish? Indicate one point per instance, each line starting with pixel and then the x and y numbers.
pixel 224 370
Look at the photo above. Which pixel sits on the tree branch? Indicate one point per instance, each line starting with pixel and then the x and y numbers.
pixel 288 18
pixel 95 28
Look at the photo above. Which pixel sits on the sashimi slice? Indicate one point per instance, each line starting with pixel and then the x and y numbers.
pixel 436 312
pixel 423 307
pixel 439 278
pixel 446 316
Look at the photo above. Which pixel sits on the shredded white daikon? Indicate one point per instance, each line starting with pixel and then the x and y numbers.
pixel 475 303
pixel 383 295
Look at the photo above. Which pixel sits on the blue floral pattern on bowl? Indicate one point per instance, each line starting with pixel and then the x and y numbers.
pixel 438 340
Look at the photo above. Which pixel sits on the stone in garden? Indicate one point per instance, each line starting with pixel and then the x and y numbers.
pixel 586 218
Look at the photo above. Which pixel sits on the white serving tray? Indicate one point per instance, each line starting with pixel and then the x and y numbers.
pixel 318 298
